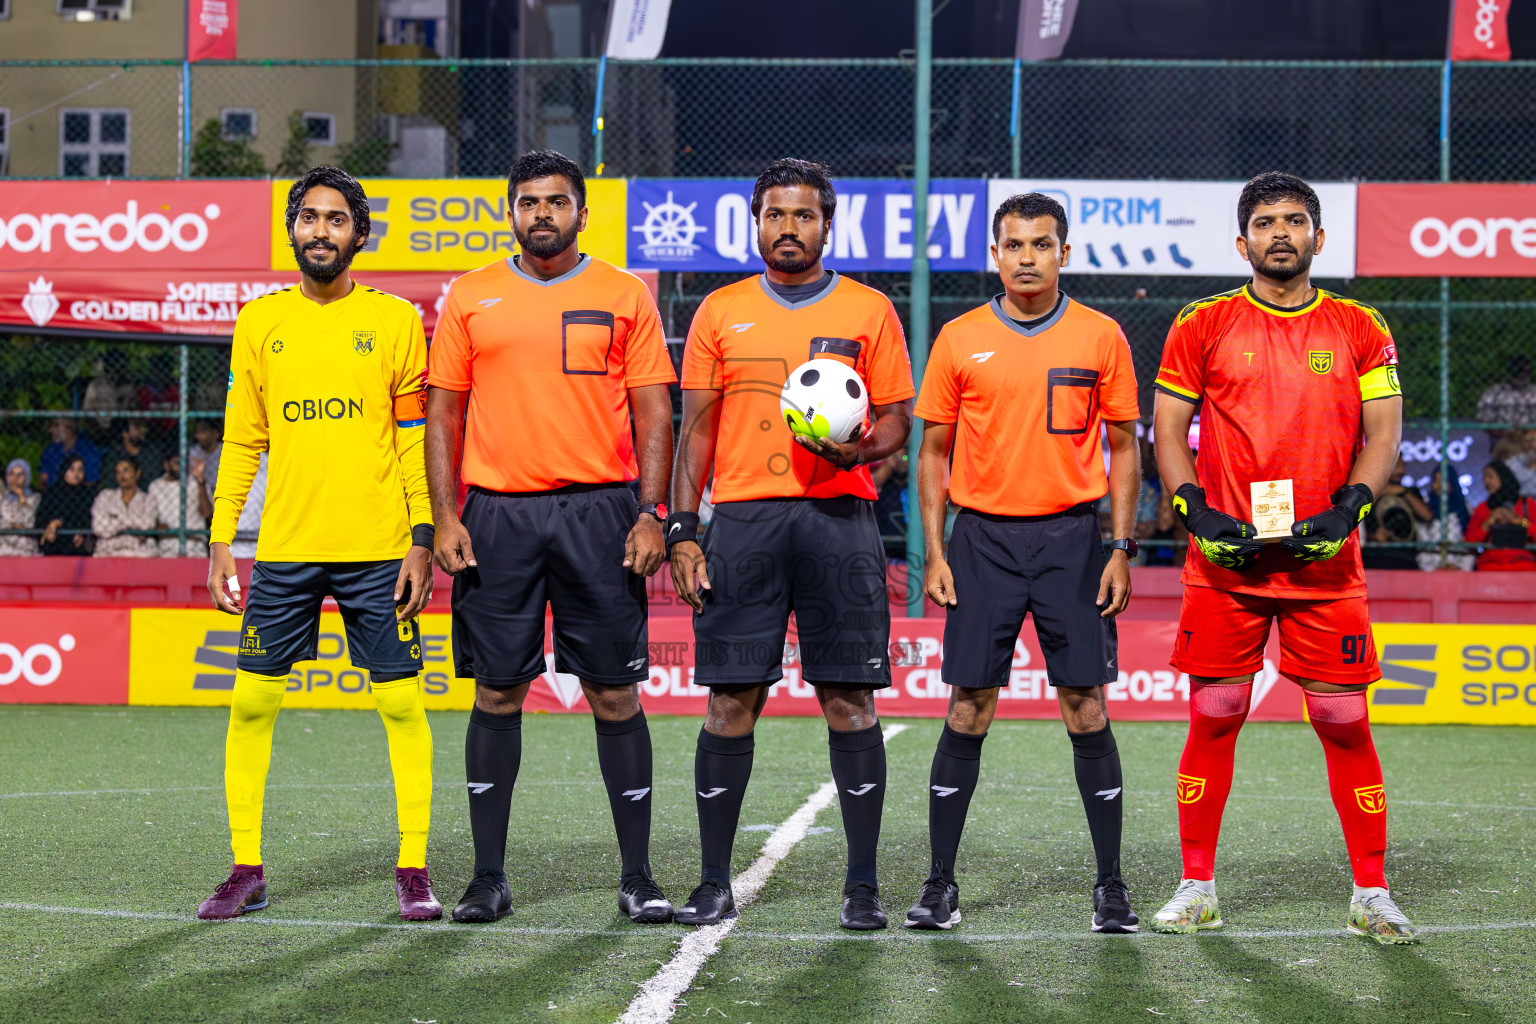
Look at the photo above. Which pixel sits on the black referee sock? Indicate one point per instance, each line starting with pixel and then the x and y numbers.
pixel 624 755
pixel 493 750
pixel 858 768
pixel 951 784
pixel 721 769
pixel 1096 761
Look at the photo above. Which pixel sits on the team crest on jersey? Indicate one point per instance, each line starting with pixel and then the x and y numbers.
pixel 1190 788
pixel 1321 362
pixel 1372 799
pixel 363 342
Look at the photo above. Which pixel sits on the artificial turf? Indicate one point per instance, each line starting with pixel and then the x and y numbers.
pixel 121 810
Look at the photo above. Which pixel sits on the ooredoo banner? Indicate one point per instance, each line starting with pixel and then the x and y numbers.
pixel 1432 674
pixel 1447 230
pixel 1172 228
pixel 188 657
pixel 63 655
pixel 147 225
pixel 148 302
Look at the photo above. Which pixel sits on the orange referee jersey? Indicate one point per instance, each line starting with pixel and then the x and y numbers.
pixel 745 339
pixel 548 365
pixel 1027 404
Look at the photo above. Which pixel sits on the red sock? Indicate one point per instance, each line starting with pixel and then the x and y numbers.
pixel 1354 778
pixel 1216 713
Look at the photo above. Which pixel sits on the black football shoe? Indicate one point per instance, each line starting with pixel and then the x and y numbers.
pixel 488 898
pixel 937 907
pixel 1112 908
pixel 710 903
pixel 643 901
pixel 862 909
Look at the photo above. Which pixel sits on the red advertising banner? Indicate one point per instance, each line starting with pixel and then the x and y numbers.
pixel 149 225
pixel 68 654
pixel 1446 230
pixel 212 27
pixel 1479 30
pixel 1147 690
pixel 174 303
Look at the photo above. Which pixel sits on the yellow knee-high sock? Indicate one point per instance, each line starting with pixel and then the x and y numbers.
pixel 247 754
pixel 410 759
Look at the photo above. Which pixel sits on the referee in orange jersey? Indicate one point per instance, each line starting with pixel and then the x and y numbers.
pixel 793 531
pixel 1014 395
pixel 538 363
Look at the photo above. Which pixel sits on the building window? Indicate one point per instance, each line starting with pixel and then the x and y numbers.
pixel 94 10
pixel 239 123
pixel 93 143
pixel 319 129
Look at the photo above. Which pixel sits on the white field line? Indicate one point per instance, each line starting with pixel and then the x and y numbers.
pixel 627 932
pixel 655 1002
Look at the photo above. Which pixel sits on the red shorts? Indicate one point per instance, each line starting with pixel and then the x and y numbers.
pixel 1222 634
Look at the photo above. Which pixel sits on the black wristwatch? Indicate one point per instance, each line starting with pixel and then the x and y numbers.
pixel 1125 544
pixel 655 508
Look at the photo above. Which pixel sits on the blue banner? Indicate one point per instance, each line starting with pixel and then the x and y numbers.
pixel 680 224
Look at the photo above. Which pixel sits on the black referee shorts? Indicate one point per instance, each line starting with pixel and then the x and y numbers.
pixel 1047 566
pixel 281 624
pixel 562 549
pixel 820 558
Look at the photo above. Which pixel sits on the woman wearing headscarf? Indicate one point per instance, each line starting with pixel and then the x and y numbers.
pixel 66 505
pixel 1505 523
pixel 18 509
pixel 123 508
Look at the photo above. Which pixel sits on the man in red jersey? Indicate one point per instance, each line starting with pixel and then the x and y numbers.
pixel 1292 383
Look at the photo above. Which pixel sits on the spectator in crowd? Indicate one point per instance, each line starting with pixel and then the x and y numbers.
pixel 1394 519
pixel 104 395
pixel 66 442
pixel 249 523
pixel 1450 520
pixel 133 443
pixel 1513 399
pixel 1163 525
pixel 123 508
pixel 209 438
pixel 1518 452
pixel 66 506
pixel 18 509
pixel 1504 524
pixel 166 494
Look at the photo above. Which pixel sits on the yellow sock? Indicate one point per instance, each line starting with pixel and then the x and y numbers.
pixel 410 759
pixel 247 754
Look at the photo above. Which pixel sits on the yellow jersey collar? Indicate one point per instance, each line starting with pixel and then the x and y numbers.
pixel 1271 308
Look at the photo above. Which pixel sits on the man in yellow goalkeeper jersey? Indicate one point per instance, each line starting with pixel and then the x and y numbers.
pixel 329 379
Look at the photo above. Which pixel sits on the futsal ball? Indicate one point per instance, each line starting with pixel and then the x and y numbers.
pixel 824 398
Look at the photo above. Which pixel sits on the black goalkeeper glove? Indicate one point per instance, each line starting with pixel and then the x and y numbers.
pixel 1223 540
pixel 1320 537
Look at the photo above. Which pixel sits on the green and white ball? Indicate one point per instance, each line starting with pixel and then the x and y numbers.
pixel 824 398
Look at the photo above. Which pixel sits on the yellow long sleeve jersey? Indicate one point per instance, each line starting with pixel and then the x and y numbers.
pixel 336 395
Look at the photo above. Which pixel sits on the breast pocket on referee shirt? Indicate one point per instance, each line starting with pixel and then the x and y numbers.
pixel 586 339
pixel 1071 395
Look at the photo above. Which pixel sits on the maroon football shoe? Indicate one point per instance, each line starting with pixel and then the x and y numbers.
pixel 414 890
pixel 244 890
